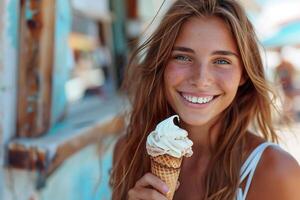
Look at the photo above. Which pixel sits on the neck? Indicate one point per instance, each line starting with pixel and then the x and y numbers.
pixel 204 137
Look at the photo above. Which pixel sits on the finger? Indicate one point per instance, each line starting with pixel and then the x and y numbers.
pixel 177 185
pixel 145 194
pixel 151 180
pixel 133 195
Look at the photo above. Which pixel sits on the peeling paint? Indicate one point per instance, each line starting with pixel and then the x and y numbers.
pixel 29 13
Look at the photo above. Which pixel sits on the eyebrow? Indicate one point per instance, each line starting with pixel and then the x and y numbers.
pixel 185 49
pixel 218 52
pixel 225 53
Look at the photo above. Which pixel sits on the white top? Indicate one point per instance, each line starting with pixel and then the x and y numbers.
pixel 249 167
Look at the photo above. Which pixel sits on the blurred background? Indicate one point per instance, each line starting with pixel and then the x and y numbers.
pixel 61 67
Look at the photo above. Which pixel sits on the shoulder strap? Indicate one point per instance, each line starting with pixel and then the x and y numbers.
pixel 250 164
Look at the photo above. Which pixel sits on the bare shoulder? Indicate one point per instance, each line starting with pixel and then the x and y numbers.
pixel 280 164
pixel 277 176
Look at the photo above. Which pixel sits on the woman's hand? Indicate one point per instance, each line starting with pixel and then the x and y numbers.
pixel 147 188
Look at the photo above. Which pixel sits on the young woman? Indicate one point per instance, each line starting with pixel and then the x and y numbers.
pixel 203 63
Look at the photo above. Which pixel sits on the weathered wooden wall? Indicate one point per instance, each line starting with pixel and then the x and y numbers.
pixel 35 66
pixel 36 57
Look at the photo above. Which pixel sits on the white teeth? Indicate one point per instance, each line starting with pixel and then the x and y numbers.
pixel 194 99
pixel 199 100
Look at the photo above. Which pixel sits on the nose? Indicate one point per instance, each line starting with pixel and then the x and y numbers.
pixel 201 75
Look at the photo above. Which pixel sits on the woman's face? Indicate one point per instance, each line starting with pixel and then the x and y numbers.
pixel 204 71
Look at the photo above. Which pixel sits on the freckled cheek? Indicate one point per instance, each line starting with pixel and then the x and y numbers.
pixel 229 80
pixel 174 75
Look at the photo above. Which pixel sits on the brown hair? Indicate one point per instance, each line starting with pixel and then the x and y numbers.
pixel 144 83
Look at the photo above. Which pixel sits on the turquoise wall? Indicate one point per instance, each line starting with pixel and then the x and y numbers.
pixel 13 25
pixel 84 176
pixel 63 58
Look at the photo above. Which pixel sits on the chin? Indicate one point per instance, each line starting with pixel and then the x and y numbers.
pixel 195 120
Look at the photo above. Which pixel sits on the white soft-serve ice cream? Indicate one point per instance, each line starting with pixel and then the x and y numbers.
pixel 167 145
pixel 168 138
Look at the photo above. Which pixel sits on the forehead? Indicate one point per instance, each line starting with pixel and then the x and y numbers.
pixel 206 32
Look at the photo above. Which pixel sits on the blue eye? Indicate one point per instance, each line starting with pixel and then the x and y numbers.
pixel 221 62
pixel 183 58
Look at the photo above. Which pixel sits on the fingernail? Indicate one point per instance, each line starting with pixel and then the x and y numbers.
pixel 165 189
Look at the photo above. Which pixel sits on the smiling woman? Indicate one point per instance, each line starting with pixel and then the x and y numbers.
pixel 201 78
pixel 203 64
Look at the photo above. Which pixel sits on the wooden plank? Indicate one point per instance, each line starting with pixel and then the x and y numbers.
pixel 25 72
pixel 34 157
pixel 20 157
pixel 46 65
pixel 35 66
pixel 92 135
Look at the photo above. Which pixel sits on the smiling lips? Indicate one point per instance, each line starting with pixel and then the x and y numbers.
pixel 197 99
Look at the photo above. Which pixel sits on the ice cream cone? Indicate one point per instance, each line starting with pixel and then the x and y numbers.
pixel 166 146
pixel 167 168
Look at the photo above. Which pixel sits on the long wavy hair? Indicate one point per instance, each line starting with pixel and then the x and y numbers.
pixel 145 86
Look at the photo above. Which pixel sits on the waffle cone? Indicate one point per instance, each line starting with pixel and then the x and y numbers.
pixel 167 168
